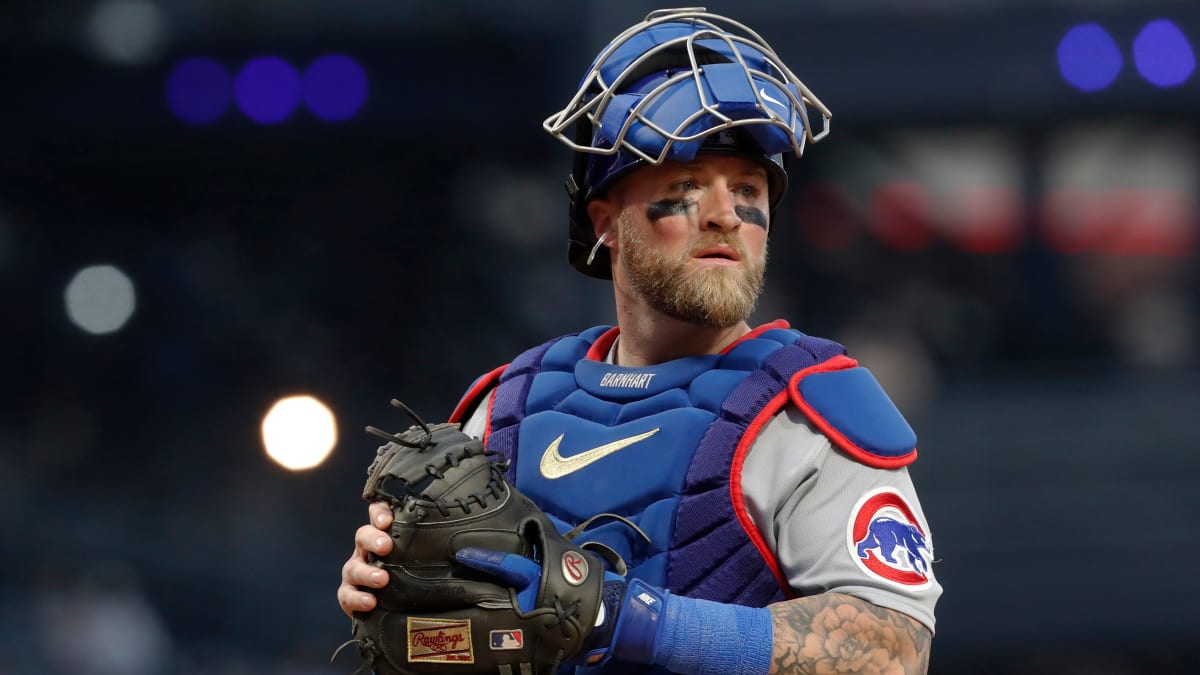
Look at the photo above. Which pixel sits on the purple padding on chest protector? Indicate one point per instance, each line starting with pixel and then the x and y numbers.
pixel 694 564
pixel 741 578
pixel 705 519
pixel 705 475
pixel 508 407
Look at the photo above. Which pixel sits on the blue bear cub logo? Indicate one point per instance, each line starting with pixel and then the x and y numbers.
pixel 889 536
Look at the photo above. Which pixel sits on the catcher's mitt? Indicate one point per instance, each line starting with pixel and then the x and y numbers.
pixel 437 616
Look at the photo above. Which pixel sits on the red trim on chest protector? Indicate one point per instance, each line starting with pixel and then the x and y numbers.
pixel 600 348
pixel 838 438
pixel 739 460
pixel 485 382
pixel 777 323
pixel 739 498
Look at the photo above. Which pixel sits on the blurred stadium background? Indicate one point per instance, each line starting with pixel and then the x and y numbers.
pixel 209 206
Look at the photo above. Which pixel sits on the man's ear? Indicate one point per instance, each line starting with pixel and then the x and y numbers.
pixel 603 211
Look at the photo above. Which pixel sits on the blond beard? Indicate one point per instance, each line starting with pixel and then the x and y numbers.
pixel 704 295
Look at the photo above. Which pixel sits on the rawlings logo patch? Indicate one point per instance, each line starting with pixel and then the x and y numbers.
pixel 440 640
pixel 887 541
pixel 574 568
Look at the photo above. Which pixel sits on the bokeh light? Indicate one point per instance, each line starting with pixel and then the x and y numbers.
pixel 268 89
pixel 902 216
pixel 199 90
pixel 299 432
pixel 1163 54
pixel 127 32
pixel 100 299
pixel 1088 57
pixel 826 217
pixel 986 218
pixel 334 87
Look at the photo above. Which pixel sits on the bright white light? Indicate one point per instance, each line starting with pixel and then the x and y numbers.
pixel 127 32
pixel 100 299
pixel 299 432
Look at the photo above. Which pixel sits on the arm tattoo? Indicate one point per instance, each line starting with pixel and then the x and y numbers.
pixel 836 633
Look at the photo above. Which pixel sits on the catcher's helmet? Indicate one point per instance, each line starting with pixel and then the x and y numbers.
pixel 681 81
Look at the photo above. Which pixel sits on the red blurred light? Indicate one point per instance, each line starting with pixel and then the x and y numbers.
pixel 1120 221
pixel 826 217
pixel 986 219
pixel 901 216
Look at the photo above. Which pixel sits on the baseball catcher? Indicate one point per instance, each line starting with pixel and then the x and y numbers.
pixel 768 466
pixel 478 575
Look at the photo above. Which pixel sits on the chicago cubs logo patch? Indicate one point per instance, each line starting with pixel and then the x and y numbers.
pixel 887 540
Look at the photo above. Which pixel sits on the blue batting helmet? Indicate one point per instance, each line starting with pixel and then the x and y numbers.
pixel 680 82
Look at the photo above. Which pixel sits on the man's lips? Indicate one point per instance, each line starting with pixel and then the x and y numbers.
pixel 718 253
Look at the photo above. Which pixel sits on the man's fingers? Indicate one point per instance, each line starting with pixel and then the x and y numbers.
pixel 353 600
pixel 373 540
pixel 359 573
pixel 381 515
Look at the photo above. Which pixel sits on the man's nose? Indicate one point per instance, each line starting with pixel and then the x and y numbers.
pixel 719 213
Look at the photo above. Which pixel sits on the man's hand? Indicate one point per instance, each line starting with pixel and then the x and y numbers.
pixel 371 538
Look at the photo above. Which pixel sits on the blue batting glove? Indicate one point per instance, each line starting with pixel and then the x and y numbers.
pixel 636 623
pixel 625 626
pixel 516 571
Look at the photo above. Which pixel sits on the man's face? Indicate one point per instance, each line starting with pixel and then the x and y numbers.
pixel 693 237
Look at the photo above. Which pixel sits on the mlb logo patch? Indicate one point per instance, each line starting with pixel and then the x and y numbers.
pixel 503 640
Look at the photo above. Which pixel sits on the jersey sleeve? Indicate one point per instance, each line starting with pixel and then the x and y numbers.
pixel 475 424
pixel 837 524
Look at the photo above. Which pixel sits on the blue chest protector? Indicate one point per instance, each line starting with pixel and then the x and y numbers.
pixel 662 446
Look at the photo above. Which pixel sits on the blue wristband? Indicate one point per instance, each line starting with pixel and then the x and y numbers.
pixel 686 635
pixel 704 637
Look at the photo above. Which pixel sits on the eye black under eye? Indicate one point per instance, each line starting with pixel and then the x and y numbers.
pixel 665 208
pixel 749 214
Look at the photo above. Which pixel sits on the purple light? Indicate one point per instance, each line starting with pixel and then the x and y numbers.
pixel 268 89
pixel 1163 54
pixel 1088 57
pixel 334 87
pixel 198 90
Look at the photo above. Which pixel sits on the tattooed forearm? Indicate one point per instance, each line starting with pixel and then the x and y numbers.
pixel 836 633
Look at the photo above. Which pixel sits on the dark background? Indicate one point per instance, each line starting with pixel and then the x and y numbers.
pixel 1015 258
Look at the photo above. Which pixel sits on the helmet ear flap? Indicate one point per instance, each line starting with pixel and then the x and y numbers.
pixel 582 252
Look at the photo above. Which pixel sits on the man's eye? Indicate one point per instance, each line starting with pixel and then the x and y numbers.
pixel 685 185
pixel 750 190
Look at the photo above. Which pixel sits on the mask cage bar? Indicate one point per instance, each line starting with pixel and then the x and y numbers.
pixel 558 123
